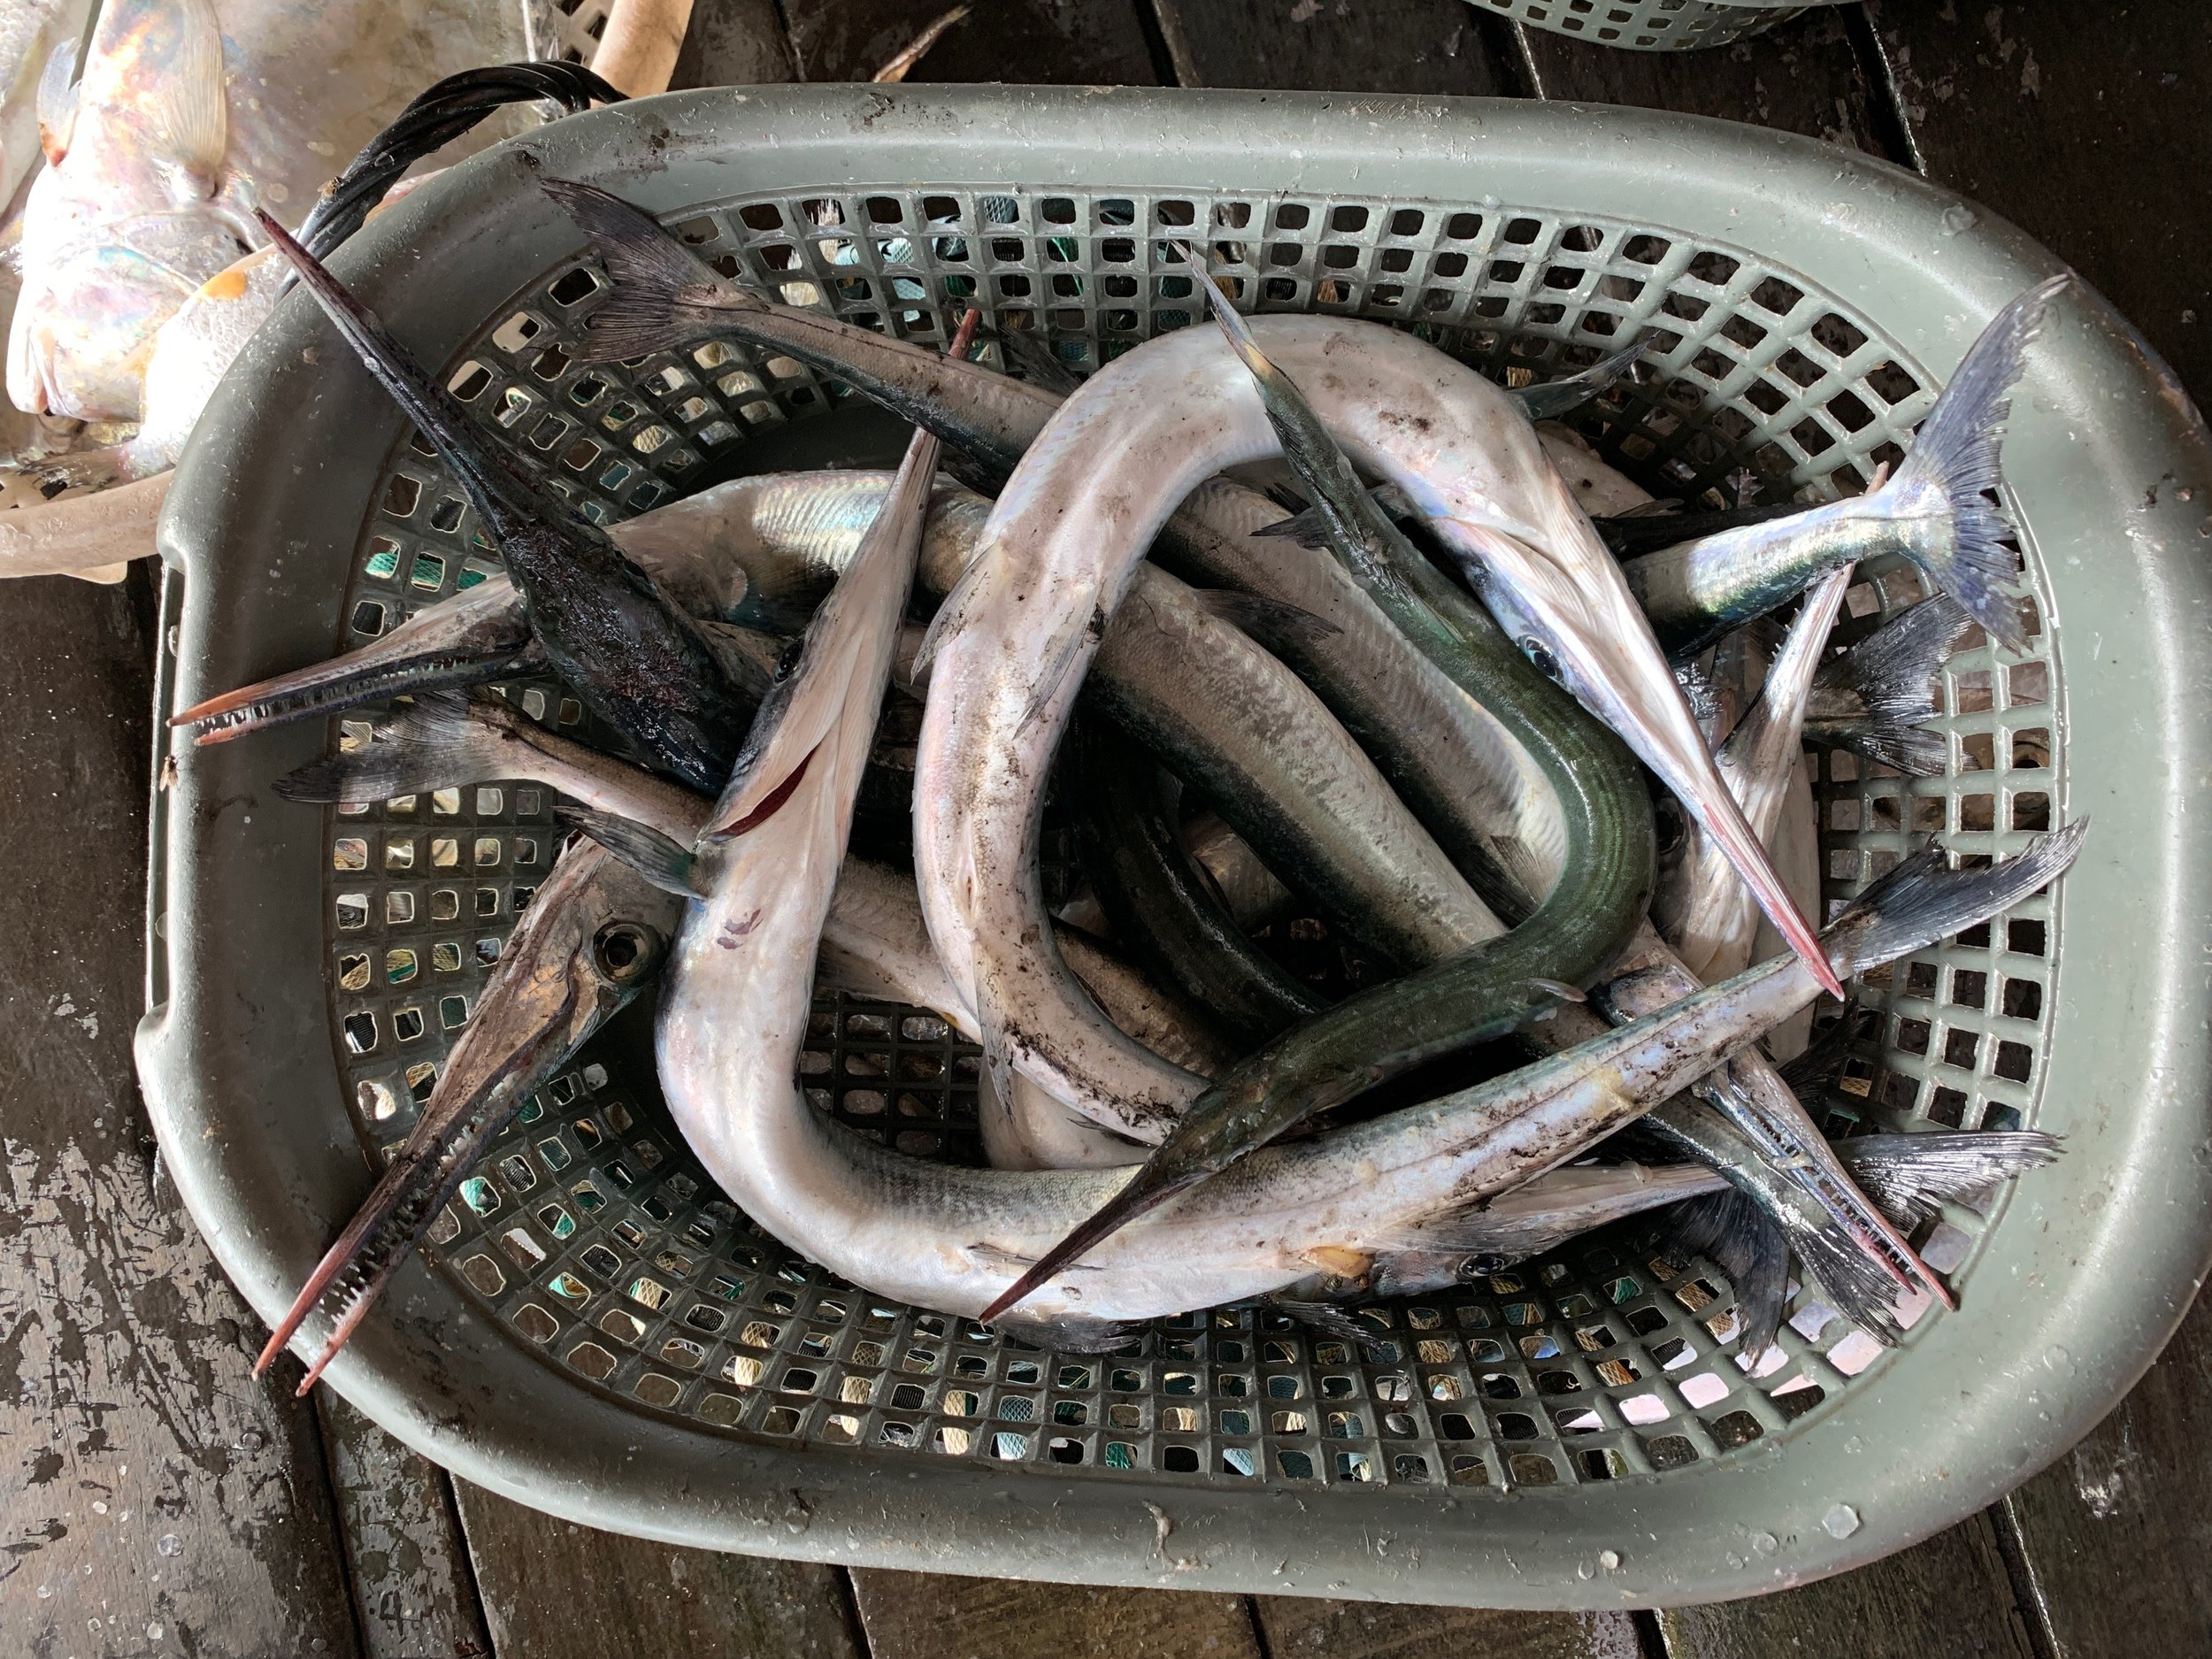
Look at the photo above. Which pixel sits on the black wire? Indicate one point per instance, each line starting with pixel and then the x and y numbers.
pixel 440 114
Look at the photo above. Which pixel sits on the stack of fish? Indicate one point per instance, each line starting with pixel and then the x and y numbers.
pixel 1433 705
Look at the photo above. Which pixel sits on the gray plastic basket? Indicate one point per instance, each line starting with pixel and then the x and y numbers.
pixel 1653 25
pixel 594 1333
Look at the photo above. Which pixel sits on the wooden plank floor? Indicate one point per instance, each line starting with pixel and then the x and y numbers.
pixel 156 1500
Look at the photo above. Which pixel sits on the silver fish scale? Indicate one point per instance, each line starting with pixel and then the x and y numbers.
pixel 590 1232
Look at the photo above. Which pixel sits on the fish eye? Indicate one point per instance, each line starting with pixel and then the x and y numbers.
pixel 626 952
pixel 1483 1266
pixel 1539 654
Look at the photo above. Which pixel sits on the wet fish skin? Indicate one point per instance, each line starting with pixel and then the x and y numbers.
pixel 1232 721
pixel 1477 475
pixel 978 781
pixel 1580 925
pixel 631 654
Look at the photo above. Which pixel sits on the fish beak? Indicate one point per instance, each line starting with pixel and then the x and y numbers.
pixel 487 473
pixel 477 636
pixel 1657 723
pixel 528 1023
pixel 1604 653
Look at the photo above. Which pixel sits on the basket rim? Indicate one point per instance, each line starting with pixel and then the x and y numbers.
pixel 2098 421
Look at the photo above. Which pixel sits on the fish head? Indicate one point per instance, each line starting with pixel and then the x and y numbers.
pixel 137 211
pixel 85 324
pixel 595 936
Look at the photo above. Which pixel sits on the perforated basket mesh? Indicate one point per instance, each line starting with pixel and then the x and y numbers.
pixel 1648 26
pixel 592 1235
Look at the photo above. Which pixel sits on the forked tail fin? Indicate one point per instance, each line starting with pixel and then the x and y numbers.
pixel 663 295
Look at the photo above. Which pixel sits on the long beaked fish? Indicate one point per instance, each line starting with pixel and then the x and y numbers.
pixel 1933 512
pixel 632 655
pixel 960 1241
pixel 595 936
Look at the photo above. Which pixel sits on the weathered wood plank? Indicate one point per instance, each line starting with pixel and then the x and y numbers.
pixel 2086 128
pixel 157 1499
pixel 551 1589
pixel 1441 46
pixel 1803 77
pixel 1056 42
pixel 1296 1628
pixel 939 1615
pixel 2115 1535
pixel 1946 1599
pixel 735 43
pixel 413 1594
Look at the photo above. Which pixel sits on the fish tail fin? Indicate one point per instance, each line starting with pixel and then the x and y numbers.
pixel 1554 398
pixel 1731 1230
pixel 1309 527
pixel 1921 901
pixel 1850 1280
pixel 1955 453
pixel 1911 1175
pixel 442 740
pixel 669 866
pixel 1892 674
pixel 1816 1064
pixel 663 294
